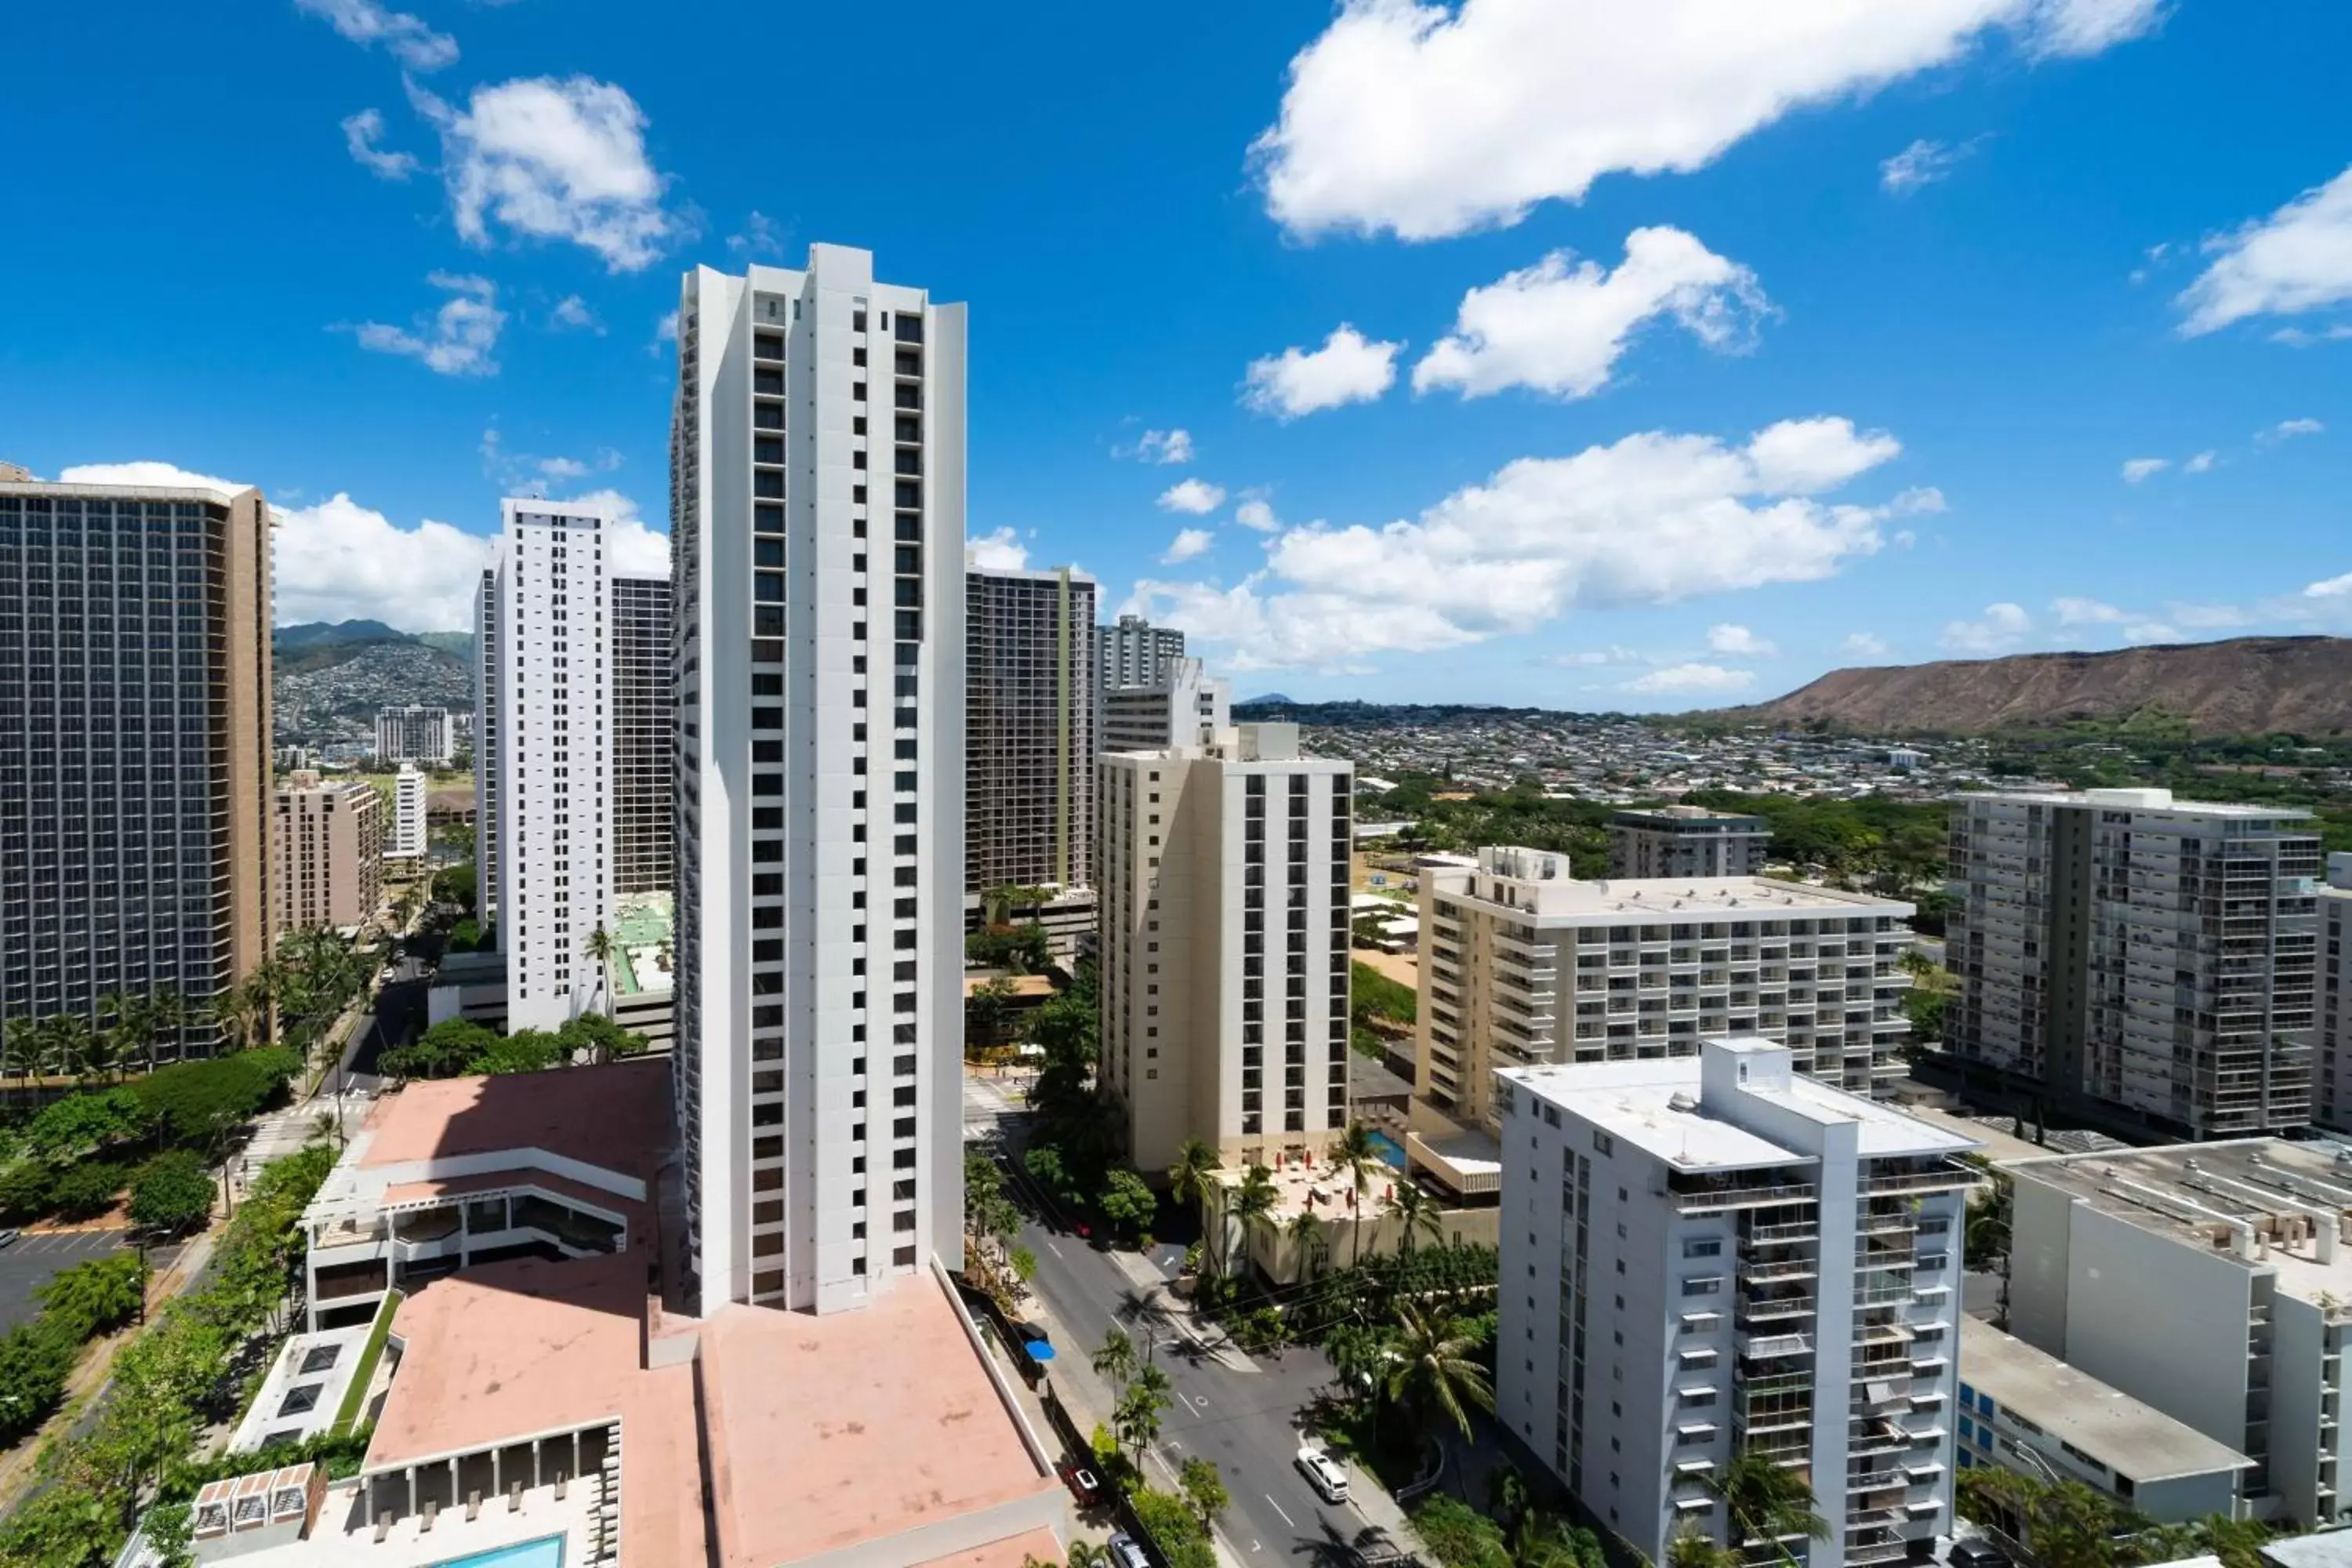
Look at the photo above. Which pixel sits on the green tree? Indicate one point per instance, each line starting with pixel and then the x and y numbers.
pixel 1126 1201
pixel 525 1051
pixel 1458 1535
pixel 1190 1177
pixel 96 1296
pixel 1305 1233
pixel 1766 1504
pixel 602 1040
pixel 987 1013
pixel 1358 1158
pixel 87 1190
pixel 1173 1529
pixel 1693 1548
pixel 1114 1359
pixel 1136 1416
pixel 440 1051
pixel 1418 1216
pixel 1203 1488
pixel 22 1049
pixel 455 885
pixel 172 1191
pixel 1024 1264
pixel 1252 1204
pixel 76 1124
pixel 1433 1375
pixel 600 949
pixel 34 1361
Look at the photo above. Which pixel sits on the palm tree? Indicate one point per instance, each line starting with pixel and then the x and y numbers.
pixel 1432 1374
pixel 1305 1232
pixel 1254 1200
pixel 65 1040
pixel 22 1048
pixel 1136 1416
pixel 1691 1548
pixel 1114 1360
pixel 1357 1157
pixel 1359 1355
pixel 599 948
pixel 1086 1555
pixel 168 1014
pixel 1768 1503
pixel 1417 1212
pixel 1188 1178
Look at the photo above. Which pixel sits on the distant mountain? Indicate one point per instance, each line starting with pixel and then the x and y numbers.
pixel 2240 686
pixel 1271 699
pixel 327 680
pixel 320 634
pixel 459 643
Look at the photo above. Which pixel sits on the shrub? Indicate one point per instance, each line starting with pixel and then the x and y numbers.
pixel 172 1191
pixel 25 1189
pixel 1459 1536
pixel 1174 1528
pixel 87 1190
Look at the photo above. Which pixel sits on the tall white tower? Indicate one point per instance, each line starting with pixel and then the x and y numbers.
pixel 543 736
pixel 817 463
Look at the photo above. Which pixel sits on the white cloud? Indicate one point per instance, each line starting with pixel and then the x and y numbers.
pixel 554 160
pixel 1188 543
pixel 1162 446
pixel 1866 644
pixel 1559 330
pixel 2148 632
pixel 665 331
pixel 999 552
pixel 1598 657
pixel 2085 613
pixel 1347 368
pixel 461 338
pixel 2001 627
pixel 2298 259
pixel 2137 469
pixel 1258 514
pixel 761 236
pixel 2333 588
pixel 1651 519
pixel 364 21
pixel 338 560
pixel 2288 429
pixel 638 550
pixel 2201 463
pixel 1919 501
pixel 360 134
pixel 144 471
pixel 1692 678
pixel 1921 163
pixel 1428 119
pixel 1194 498
pixel 1739 642
pixel 571 311
pixel 2302 338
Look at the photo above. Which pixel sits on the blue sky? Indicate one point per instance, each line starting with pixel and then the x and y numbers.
pixel 1525 350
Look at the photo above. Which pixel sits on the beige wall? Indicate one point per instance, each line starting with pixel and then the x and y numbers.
pixel 328 843
pixel 245 625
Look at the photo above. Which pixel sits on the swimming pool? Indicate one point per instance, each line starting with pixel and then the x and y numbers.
pixel 546 1551
pixel 1392 1151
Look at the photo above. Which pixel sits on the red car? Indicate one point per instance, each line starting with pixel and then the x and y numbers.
pixel 1083 1482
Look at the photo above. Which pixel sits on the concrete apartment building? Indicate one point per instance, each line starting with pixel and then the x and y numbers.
pixel 1522 963
pixel 1184 705
pixel 489 627
pixel 2025 1410
pixel 408 837
pixel 327 840
pixel 1134 652
pixel 1712 1255
pixel 2211 1281
pixel 415 734
pixel 1686 841
pixel 2331 1083
pixel 644 783
pixel 1029 730
pixel 2145 961
pixel 1224 940
pixel 817 463
pixel 136 791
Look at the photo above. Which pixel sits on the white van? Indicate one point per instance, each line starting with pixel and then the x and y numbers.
pixel 1324 1474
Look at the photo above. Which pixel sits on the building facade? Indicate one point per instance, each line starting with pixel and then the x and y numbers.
pixel 328 843
pixel 488 653
pixel 546 618
pixel 2150 959
pixel 1522 963
pixel 2331 1066
pixel 2239 1248
pixel 407 838
pixel 644 782
pixel 1224 961
pixel 1710 1256
pixel 817 463
pixel 415 734
pixel 135 796
pixel 1134 652
pixel 1029 729
pixel 1184 707
pixel 1686 841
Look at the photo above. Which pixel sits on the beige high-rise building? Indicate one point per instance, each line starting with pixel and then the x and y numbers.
pixel 1225 946
pixel 328 842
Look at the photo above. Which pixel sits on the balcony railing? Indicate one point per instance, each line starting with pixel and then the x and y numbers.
pixel 1715 1196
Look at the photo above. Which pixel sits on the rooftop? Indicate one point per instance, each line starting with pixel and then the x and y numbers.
pixel 1535 883
pixel 2137 800
pixel 2130 1438
pixel 641 938
pixel 617 1116
pixel 1692 816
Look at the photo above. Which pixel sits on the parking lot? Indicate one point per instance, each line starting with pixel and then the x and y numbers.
pixel 27 1263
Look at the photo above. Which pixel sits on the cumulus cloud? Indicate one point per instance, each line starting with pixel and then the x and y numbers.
pixel 2084 613
pixel 2302 337
pixel 665 331
pixel 1558 329
pixel 999 552
pixel 571 313
pixel 2287 430
pixel 1258 514
pixel 637 549
pixel 1347 368
pixel 2298 259
pixel 1921 163
pixel 1429 120
pixel 361 133
pixel 2137 469
pixel 1866 644
pixel 761 236
pixel 1653 519
pixel 1739 642
pixel 1162 447
pixel 1188 543
pixel 364 21
pixel 459 338
pixel 552 159
pixel 2001 628
pixel 1194 498
pixel 1690 680
pixel 2201 463
pixel 340 561
pixel 144 471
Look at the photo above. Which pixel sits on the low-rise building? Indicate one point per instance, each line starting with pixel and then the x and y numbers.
pixel 328 842
pixel 2025 1410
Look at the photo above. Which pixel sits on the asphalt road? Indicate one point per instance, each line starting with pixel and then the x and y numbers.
pixel 33 1259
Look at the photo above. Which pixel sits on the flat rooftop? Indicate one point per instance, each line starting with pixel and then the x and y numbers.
pixel 2130 1438
pixel 2137 800
pixel 642 924
pixel 616 1116
pixel 1667 899
pixel 2284 1195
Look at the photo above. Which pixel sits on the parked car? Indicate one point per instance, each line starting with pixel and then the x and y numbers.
pixel 1323 1473
pixel 1126 1552
pixel 1084 1482
pixel 8 1237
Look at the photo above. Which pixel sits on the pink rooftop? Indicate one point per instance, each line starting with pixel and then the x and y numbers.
pixel 617 1116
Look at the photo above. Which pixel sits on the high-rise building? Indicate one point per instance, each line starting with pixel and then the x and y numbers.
pixel 328 843
pixel 2331 1083
pixel 1714 1255
pixel 488 655
pixel 1029 729
pixel 817 463
pixel 1185 706
pixel 2140 957
pixel 545 614
pixel 645 781
pixel 135 793
pixel 1135 652
pixel 1225 946
pixel 407 839
pixel 1686 841
pixel 1522 963
pixel 415 734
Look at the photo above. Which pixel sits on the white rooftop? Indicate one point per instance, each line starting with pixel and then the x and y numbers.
pixel 2131 1439
pixel 2135 800
pixel 1535 882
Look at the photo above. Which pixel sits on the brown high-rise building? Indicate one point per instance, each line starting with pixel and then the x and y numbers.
pixel 327 844
pixel 135 786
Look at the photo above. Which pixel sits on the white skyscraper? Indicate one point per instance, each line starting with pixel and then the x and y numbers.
pixel 546 754
pixel 407 839
pixel 1184 705
pixel 817 462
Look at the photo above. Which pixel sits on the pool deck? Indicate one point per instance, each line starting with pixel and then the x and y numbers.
pixel 342 1539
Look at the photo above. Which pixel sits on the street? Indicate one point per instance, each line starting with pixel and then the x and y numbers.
pixel 1241 1412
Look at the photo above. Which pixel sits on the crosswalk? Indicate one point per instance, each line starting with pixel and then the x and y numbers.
pixel 993 1106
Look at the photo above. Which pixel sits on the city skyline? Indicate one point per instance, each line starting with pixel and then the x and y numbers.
pixel 1937 342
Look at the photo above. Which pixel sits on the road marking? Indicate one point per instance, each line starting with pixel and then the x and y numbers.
pixel 1277 1508
pixel 1188 1402
pixel 1054 1249
pixel 1254 1547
